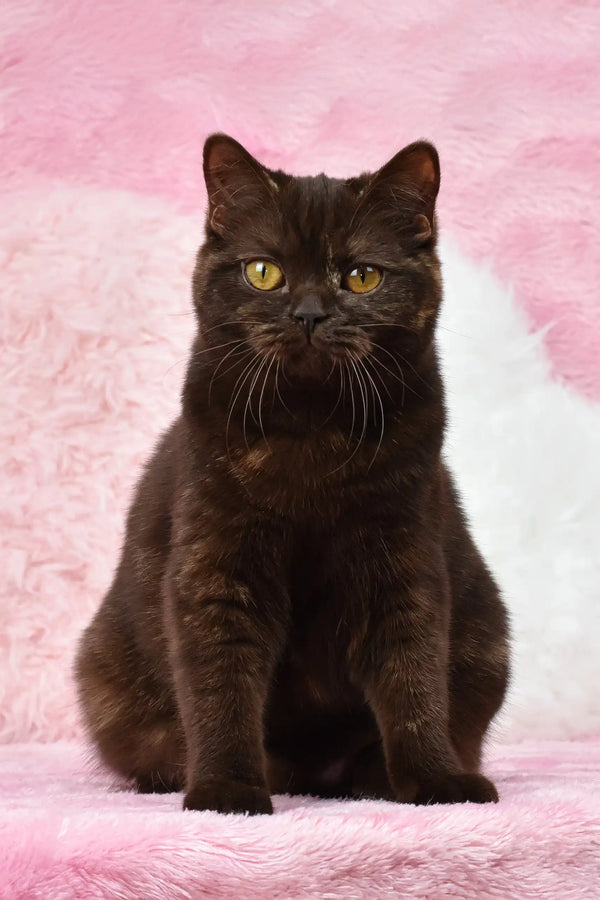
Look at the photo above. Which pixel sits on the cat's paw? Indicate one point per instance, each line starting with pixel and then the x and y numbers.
pixel 229 797
pixel 461 788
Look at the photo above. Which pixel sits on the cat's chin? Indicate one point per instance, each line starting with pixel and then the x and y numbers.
pixel 309 363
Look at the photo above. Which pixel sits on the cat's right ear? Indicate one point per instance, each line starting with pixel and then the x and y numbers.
pixel 407 187
pixel 234 181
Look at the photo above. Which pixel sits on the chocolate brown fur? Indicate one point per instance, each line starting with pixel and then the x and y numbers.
pixel 299 606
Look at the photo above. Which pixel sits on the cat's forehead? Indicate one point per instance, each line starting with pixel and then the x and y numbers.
pixel 310 224
pixel 316 198
pixel 315 214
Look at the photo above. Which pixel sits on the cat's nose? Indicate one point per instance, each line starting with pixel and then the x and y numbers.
pixel 309 313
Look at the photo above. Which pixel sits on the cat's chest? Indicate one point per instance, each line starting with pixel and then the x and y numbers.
pixel 303 476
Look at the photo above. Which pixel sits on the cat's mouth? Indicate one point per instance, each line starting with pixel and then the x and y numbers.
pixel 313 354
pixel 314 361
pixel 307 359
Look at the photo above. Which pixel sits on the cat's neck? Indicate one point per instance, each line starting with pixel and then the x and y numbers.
pixel 293 445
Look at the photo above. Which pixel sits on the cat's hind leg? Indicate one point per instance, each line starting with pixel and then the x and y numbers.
pixel 478 669
pixel 130 718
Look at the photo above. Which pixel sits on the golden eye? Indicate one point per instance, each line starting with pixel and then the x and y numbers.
pixel 362 279
pixel 264 275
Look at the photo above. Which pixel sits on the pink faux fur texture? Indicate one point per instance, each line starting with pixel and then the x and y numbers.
pixel 65 833
pixel 96 329
pixel 122 93
pixel 102 115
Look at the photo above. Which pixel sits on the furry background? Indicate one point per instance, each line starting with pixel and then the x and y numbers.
pixel 103 111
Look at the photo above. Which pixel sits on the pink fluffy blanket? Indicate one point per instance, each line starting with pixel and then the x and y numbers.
pixel 69 832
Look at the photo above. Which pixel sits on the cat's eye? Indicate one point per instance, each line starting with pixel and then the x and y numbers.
pixel 362 279
pixel 263 274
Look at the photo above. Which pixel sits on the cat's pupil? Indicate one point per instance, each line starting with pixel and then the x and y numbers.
pixel 263 271
pixel 362 275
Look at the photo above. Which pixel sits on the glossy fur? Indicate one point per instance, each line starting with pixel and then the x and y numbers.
pixel 299 606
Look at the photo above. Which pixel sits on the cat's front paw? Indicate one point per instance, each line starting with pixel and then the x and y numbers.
pixel 461 788
pixel 229 797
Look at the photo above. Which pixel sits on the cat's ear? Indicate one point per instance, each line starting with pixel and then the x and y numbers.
pixel 234 180
pixel 410 181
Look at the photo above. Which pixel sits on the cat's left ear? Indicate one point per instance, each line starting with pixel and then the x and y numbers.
pixel 234 181
pixel 411 181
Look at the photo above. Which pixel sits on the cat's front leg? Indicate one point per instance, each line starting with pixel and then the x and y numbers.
pixel 401 663
pixel 226 620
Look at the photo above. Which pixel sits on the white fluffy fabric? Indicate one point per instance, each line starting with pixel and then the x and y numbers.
pixel 525 450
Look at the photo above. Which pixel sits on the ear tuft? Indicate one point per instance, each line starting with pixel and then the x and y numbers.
pixel 234 179
pixel 416 166
pixel 411 180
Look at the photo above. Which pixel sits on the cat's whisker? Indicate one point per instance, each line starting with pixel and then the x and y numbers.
pixel 364 401
pixel 260 399
pixel 228 354
pixel 353 404
pixel 277 391
pixel 368 359
pixel 339 397
pixel 384 325
pixel 406 362
pixel 391 355
pixel 198 353
pixel 364 398
pixel 243 374
pixel 399 367
pixel 285 378
pixel 253 365
pixel 368 381
pixel 343 377
pixel 274 384
pixel 228 322
pixel 241 357
pixel 381 409
pixel 468 337
pixel 248 404
pixel 264 369
pixel 174 366
pixel 412 368
pixel 347 460
pixel 378 362
pixel 330 371
pixel 242 378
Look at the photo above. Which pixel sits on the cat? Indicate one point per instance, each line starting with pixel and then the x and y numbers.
pixel 299 606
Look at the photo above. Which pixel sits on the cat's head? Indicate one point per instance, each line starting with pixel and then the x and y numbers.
pixel 315 270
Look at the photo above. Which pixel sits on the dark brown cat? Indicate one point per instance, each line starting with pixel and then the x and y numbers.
pixel 299 606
